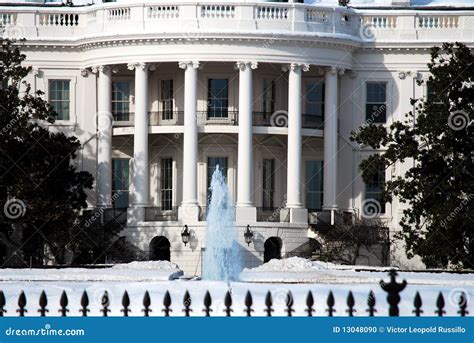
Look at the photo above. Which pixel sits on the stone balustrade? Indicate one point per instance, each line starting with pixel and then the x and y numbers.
pixel 195 19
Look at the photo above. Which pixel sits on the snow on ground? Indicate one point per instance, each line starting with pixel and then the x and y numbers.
pixel 134 271
pixel 300 270
pixel 317 277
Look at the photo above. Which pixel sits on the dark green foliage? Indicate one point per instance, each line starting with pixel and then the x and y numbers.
pixel 439 187
pixel 36 165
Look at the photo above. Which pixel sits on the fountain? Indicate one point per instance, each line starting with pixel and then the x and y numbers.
pixel 221 257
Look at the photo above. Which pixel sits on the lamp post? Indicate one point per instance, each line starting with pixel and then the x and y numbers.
pixel 185 234
pixel 248 235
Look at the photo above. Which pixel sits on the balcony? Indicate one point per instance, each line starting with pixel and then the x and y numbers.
pixel 172 118
pixel 192 21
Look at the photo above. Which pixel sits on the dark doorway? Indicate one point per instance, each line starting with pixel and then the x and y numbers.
pixel 3 254
pixel 160 249
pixel 272 249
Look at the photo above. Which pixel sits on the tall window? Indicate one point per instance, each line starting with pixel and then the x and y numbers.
pixel 268 101
pixel 167 100
pixel 59 97
pixel 268 183
pixel 167 184
pixel 376 104
pixel 431 95
pixel 212 163
pixel 314 99
pixel 314 185
pixel 218 98
pixel 120 182
pixel 121 100
pixel 373 193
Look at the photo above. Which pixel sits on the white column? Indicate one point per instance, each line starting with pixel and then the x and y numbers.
pixel 330 140
pixel 245 207
pixel 189 210
pixel 140 172
pixel 104 123
pixel 294 159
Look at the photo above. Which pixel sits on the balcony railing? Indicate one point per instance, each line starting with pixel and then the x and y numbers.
pixel 280 119
pixel 165 118
pixel 159 214
pixel 192 20
pixel 217 118
pixel 268 214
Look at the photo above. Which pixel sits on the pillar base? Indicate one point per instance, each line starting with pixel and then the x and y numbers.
pixel 247 214
pixel 135 215
pixel 294 215
pixel 188 213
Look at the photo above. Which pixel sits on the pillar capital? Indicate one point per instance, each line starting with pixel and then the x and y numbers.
pixel 140 65
pixel 100 69
pixel 295 66
pixel 241 65
pixel 336 70
pixel 189 64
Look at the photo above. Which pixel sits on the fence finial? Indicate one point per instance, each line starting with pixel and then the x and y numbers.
pixel 125 304
pixel 63 302
pixel 418 303
pixel 146 304
pixel 207 304
pixel 22 304
pixel 248 304
pixel 393 288
pixel 309 304
pixel 187 304
pixel 462 305
pixel 371 304
pixel 268 304
pixel 43 302
pixel 350 304
pixel 440 305
pixel 228 304
pixel 3 302
pixel 84 304
pixel 167 304
pixel 289 304
pixel 330 302
pixel 105 301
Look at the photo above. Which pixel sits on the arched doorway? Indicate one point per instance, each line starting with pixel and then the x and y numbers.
pixel 160 249
pixel 272 248
pixel 3 253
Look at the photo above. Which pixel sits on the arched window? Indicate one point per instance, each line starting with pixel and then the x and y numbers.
pixel 272 248
pixel 160 249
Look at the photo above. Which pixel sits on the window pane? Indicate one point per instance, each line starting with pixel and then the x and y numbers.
pixel 268 183
pixel 314 185
pixel 120 182
pixel 59 98
pixel 374 191
pixel 167 101
pixel 218 98
pixel 376 91
pixel 376 113
pixel 268 101
pixel 212 162
pixel 121 100
pixel 167 183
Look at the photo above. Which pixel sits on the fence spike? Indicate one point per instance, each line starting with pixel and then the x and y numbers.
pixel 2 304
pixel 350 304
pixel 84 304
pixel 167 304
pixel 309 304
pixel 105 301
pixel 228 304
pixel 289 304
pixel 330 302
pixel 125 304
pixel 371 304
pixel 462 305
pixel 207 304
pixel 22 304
pixel 146 304
pixel 248 304
pixel 393 289
pixel 43 302
pixel 268 304
pixel 63 302
pixel 418 303
pixel 187 304
pixel 440 305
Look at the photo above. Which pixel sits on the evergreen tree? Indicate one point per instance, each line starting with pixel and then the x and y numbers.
pixel 40 189
pixel 439 137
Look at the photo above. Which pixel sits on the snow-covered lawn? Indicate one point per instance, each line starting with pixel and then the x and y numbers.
pixel 136 278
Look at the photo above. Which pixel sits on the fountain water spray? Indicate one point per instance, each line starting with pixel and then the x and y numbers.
pixel 222 255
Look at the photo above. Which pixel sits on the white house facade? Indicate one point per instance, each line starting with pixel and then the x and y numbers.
pixel 162 92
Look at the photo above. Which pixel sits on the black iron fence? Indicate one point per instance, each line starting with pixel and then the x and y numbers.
pixel 393 289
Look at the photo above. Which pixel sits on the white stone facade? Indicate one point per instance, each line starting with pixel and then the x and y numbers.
pixel 289 45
